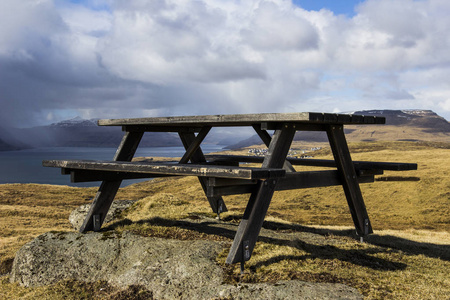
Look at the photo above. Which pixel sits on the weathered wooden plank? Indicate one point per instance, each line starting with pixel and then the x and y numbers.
pixel 368 172
pixel 221 163
pixel 398 178
pixel 168 169
pixel 156 128
pixel 255 212
pixel 193 147
pixel 217 204
pixel 330 118
pixel 299 180
pixel 212 191
pixel 216 182
pixel 266 138
pixel 92 175
pixel 348 176
pixel 357 119
pixel 316 117
pixel 391 166
pixel 312 179
pixel 108 189
pixel 344 118
pixel 306 126
pixel 369 120
pixel 380 120
pixel 241 120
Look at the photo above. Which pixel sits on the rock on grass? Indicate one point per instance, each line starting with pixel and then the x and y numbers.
pixel 170 269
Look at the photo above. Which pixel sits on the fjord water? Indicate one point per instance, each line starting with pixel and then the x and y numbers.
pixel 25 166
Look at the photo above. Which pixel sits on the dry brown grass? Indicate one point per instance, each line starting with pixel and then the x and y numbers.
pixel 27 210
pixel 404 259
pixel 395 133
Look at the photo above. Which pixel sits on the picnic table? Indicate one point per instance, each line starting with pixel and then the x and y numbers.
pixel 222 175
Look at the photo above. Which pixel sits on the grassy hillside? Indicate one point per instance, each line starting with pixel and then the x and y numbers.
pixel 407 257
pixel 396 133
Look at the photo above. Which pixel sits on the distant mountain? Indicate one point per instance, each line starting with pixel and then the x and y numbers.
pixel 410 125
pixel 425 119
pixel 76 122
pixel 4 146
pixel 403 125
pixel 77 132
pixel 9 141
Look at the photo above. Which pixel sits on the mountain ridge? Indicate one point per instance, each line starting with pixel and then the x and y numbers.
pixel 76 132
pixel 411 124
pixel 401 125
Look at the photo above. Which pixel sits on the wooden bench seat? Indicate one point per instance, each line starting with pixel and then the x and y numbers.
pixel 147 170
pixel 359 165
pixel 292 181
pixel 365 171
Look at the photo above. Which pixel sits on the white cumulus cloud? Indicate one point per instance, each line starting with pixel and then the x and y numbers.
pixel 111 58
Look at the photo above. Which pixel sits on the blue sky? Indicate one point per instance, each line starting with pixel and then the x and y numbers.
pixel 113 59
pixel 345 7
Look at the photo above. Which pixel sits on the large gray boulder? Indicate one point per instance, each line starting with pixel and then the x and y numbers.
pixel 171 269
pixel 166 267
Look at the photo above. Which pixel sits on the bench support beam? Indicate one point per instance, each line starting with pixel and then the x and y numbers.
pixel 292 181
pixel 197 157
pixel 266 138
pixel 195 144
pixel 108 189
pixel 258 204
pixel 91 175
pixel 359 165
pixel 348 176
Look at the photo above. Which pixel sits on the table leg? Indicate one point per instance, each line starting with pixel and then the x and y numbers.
pixel 258 204
pixel 108 189
pixel 347 172
pixel 266 138
pixel 194 145
pixel 216 202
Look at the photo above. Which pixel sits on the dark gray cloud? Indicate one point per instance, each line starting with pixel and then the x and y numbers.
pixel 148 58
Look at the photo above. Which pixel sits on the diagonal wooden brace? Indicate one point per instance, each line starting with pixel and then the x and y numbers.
pixel 258 204
pixel 266 138
pixel 350 183
pixel 188 138
pixel 108 189
pixel 195 144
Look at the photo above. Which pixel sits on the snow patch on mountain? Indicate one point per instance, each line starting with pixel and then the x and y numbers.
pixel 77 121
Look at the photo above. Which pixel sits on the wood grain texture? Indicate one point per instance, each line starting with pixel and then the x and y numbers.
pixel 258 204
pixel 363 165
pixel 168 169
pixel 348 176
pixel 108 189
pixel 243 120
pixel 292 181
pixel 188 139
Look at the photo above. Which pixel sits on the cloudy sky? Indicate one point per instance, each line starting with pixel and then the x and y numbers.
pixel 111 59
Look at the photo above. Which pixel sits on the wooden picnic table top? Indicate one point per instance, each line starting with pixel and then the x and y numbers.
pixel 246 119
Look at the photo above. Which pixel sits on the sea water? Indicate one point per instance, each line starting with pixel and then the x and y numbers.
pixel 25 166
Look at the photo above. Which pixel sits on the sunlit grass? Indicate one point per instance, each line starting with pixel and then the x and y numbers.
pixel 406 257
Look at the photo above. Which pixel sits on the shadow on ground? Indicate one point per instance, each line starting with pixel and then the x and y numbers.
pixel 387 241
pixel 294 236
